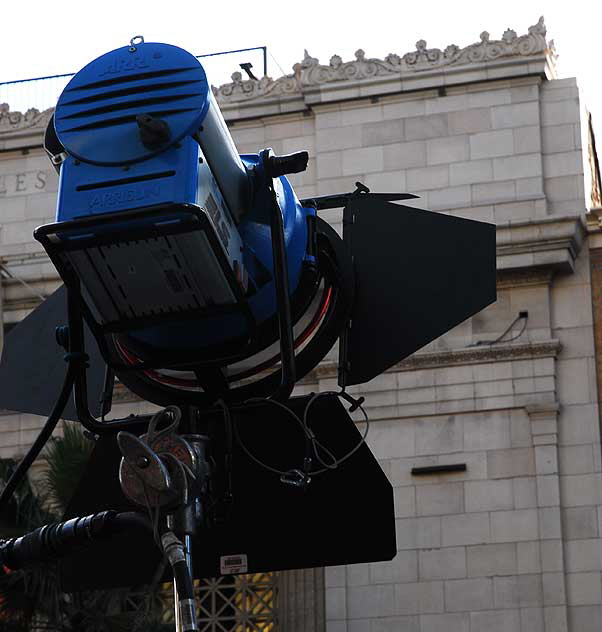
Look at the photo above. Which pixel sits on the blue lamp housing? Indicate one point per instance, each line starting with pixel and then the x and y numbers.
pixel 159 220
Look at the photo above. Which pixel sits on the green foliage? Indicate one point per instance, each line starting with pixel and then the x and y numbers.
pixel 26 507
pixel 24 595
pixel 66 458
pixel 32 599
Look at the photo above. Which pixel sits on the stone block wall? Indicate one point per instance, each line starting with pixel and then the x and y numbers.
pixel 513 544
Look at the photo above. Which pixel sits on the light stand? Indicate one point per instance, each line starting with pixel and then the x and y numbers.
pixel 168 474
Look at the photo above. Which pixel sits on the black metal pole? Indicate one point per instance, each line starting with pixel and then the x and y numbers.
pixel 80 387
pixel 285 323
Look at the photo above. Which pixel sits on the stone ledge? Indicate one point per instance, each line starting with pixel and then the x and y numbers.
pixel 439 80
pixel 528 253
pixel 428 360
pixel 22 258
pixel 312 82
pixel 432 79
pixel 535 401
pixel 19 131
pixel 479 355
pixel 552 243
pixel 507 279
pixel 469 355
pixel 594 226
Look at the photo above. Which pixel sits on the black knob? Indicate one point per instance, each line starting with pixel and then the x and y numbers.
pixel 289 163
pixel 154 132
pixel 61 334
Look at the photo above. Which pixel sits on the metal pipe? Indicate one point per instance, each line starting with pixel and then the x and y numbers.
pixel 285 321
pixel 188 552
pixel 223 158
pixel 184 601
pixel 176 608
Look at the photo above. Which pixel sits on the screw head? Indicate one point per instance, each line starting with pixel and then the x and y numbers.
pixel 143 462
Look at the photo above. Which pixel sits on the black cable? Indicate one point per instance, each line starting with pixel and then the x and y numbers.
pixel 524 316
pixel 53 541
pixel 309 434
pixel 351 452
pixel 42 438
pixel 244 448
pixel 518 335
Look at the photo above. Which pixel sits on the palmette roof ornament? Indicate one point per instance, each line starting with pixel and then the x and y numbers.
pixel 18 120
pixel 310 73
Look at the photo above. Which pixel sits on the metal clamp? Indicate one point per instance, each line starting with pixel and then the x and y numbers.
pixel 135 42
pixel 296 478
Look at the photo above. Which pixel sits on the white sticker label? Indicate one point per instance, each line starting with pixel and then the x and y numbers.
pixel 233 564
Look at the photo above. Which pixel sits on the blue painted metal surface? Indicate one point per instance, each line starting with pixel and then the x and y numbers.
pixel 109 169
pixel 256 237
pixel 169 177
pixel 95 117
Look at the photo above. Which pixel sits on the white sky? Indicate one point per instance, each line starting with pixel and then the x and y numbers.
pixel 44 38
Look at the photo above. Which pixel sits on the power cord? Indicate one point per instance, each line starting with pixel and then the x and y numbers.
pixel 75 362
pixel 523 315
pixel 295 476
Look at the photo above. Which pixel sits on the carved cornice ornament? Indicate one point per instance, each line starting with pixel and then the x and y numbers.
pixel 311 73
pixel 517 277
pixel 241 90
pixel 482 354
pixel 14 121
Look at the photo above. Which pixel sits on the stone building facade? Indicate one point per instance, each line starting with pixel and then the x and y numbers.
pixel 514 543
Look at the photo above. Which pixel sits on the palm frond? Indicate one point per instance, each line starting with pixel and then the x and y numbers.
pixel 33 597
pixel 26 509
pixel 66 458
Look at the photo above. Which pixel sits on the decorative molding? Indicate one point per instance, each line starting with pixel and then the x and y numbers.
pixel 594 220
pixel 310 73
pixel 553 243
pixel 246 89
pixel 20 304
pixel 419 361
pixel 482 354
pixel 524 277
pixel 14 121
pixel 25 258
pixel 24 294
pixel 543 412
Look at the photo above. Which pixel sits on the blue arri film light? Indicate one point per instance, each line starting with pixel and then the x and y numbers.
pixel 161 223
pixel 198 271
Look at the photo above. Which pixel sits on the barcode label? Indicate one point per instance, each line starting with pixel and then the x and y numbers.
pixel 233 564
